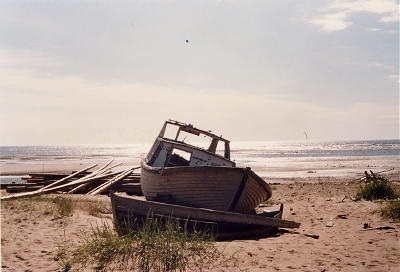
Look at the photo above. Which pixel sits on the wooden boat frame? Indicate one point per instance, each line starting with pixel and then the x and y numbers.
pixel 205 180
pixel 128 209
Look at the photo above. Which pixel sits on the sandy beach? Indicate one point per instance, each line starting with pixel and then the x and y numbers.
pixel 324 209
pixel 257 116
pixel 31 231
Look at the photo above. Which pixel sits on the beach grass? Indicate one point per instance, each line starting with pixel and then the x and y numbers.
pixel 392 210
pixel 65 206
pixel 96 208
pixel 378 188
pixel 154 246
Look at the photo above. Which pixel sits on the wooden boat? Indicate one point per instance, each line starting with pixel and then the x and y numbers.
pixel 181 173
pixel 128 209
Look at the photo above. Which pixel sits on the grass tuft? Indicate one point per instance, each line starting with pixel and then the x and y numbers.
pixel 97 209
pixel 154 246
pixel 64 206
pixel 169 246
pixel 61 206
pixel 392 210
pixel 102 247
pixel 377 188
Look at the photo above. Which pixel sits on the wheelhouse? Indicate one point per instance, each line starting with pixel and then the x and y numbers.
pixel 172 150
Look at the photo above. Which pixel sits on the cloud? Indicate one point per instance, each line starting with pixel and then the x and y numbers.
pixel 373 29
pixel 395 77
pixel 332 22
pixel 56 109
pixel 338 14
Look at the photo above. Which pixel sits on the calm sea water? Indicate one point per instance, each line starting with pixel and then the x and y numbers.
pixel 317 149
pixel 241 152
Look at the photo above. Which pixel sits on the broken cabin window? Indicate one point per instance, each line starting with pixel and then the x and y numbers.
pixel 170 132
pixel 197 140
pixel 220 148
pixel 179 158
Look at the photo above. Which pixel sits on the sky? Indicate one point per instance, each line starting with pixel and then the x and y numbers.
pixel 111 72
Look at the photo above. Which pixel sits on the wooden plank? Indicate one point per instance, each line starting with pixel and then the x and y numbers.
pixel 57 188
pixel 143 207
pixel 108 184
pixel 18 189
pixel 100 170
pixel 21 184
pixel 105 169
pixel 97 178
pixel 82 186
pixel 129 188
pixel 49 175
pixel 67 177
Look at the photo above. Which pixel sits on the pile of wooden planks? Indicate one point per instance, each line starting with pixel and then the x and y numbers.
pixel 34 182
pixel 99 181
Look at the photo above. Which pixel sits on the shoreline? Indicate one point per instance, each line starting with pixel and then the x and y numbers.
pixel 282 170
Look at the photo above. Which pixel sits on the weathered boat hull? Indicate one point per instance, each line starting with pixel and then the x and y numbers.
pixel 127 209
pixel 231 189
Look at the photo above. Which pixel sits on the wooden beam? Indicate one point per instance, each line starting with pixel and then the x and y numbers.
pixel 67 178
pixel 82 180
pixel 109 183
pixel 104 170
pixel 81 186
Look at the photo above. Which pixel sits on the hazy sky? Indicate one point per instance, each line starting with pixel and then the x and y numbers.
pixel 78 72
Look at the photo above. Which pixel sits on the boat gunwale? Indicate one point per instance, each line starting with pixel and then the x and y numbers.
pixel 172 169
pixel 156 206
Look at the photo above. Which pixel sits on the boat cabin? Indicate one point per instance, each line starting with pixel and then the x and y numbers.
pixel 171 150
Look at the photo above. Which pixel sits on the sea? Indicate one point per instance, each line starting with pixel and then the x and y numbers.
pixel 271 158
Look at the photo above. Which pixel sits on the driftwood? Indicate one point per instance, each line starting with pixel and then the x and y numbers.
pixel 379 228
pixel 314 236
pixel 109 183
pixel 367 176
